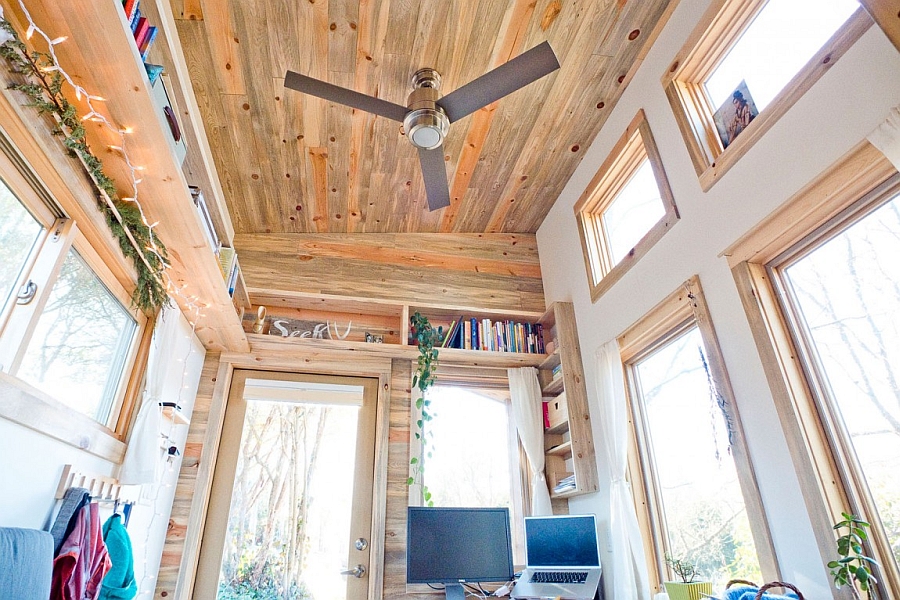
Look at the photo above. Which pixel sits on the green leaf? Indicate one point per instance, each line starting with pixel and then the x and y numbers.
pixel 410 481
pixel 413 460
pixel 420 403
pixel 419 423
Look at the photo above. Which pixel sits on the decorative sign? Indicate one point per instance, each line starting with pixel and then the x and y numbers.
pixel 307 329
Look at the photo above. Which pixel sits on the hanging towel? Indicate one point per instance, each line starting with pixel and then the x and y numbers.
pixel 119 583
pixel 73 501
pixel 83 560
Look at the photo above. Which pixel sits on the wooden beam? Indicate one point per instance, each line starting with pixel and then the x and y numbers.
pixel 886 13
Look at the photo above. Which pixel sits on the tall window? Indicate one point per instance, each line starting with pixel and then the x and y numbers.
pixel 841 291
pixel 700 500
pixel 65 325
pixel 471 453
pixel 626 208
pixel 746 64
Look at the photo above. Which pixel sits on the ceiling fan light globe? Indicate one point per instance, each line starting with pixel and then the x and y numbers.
pixel 426 128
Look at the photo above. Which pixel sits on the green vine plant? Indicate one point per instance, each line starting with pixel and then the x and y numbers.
pixel 427 339
pixel 853 568
pixel 684 568
pixel 41 82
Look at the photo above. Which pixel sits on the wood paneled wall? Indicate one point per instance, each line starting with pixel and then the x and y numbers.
pixel 459 271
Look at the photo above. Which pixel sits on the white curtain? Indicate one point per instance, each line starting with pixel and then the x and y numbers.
pixel 627 564
pixel 525 393
pixel 144 454
pixel 886 137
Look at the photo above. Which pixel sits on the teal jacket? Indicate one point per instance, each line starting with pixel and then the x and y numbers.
pixel 119 583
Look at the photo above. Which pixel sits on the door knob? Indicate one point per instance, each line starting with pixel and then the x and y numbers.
pixel 358 571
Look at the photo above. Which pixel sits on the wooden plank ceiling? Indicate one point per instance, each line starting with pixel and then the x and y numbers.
pixel 291 163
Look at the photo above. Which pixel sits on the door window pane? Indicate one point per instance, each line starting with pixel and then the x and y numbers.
pixel 19 231
pixel 703 511
pixel 289 524
pixel 847 295
pixel 776 45
pixel 467 449
pixel 81 343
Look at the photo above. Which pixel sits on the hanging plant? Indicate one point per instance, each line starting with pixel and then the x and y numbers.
pixel 427 339
pixel 42 85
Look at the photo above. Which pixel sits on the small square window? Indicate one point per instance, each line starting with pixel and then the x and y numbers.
pixel 627 207
pixel 750 61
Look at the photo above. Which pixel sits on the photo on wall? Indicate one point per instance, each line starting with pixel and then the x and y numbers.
pixel 735 114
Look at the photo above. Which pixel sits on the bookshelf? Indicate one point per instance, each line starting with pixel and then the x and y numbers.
pixel 568 439
pixel 110 65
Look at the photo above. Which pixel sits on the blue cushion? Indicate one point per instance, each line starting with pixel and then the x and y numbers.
pixel 26 556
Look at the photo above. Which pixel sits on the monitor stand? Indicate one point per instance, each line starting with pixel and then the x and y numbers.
pixel 454 591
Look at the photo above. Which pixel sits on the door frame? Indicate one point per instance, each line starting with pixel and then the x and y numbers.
pixel 219 508
pixel 280 357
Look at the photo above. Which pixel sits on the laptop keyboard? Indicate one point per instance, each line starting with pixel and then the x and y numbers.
pixel 559 576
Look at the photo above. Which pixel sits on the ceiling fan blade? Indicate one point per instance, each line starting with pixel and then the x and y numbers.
pixel 327 91
pixel 505 79
pixel 434 171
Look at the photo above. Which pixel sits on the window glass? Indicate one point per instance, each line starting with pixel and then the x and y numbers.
pixel 636 209
pixel 467 449
pixel 81 343
pixel 778 43
pixel 19 231
pixel 846 294
pixel 703 510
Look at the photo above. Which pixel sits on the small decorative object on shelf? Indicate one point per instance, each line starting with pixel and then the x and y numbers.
pixel 687 588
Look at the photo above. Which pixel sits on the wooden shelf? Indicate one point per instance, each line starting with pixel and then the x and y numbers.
pixel 564 449
pixel 555 387
pixel 109 65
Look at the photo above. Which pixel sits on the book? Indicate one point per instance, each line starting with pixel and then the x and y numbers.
pixel 144 47
pixel 449 336
pixel 140 33
pixel 130 6
pixel 153 71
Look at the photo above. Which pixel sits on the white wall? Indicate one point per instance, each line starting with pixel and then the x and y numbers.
pixel 852 98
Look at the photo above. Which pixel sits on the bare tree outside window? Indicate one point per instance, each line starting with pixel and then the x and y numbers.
pixel 688 448
pixel 78 350
pixel 18 232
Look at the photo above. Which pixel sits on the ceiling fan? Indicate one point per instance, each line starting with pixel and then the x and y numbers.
pixel 427 115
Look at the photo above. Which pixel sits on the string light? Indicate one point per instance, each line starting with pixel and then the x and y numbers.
pixel 94 115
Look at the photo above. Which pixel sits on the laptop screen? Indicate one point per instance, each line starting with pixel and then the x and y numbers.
pixel 562 541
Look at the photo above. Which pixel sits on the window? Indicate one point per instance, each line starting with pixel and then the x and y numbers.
pixel 821 286
pixel 471 453
pixel 698 494
pixel 841 291
pixel 65 326
pixel 626 208
pixel 746 64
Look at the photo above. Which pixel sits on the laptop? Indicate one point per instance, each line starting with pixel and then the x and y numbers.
pixel 561 557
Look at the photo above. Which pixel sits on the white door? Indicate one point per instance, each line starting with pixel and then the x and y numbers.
pixel 290 514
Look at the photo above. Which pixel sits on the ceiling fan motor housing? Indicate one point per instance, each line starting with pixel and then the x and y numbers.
pixel 426 124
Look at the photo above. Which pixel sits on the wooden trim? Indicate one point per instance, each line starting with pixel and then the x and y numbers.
pixel 887 14
pixel 718 30
pixel 135 384
pixel 32 408
pixel 861 169
pixel 687 306
pixel 635 145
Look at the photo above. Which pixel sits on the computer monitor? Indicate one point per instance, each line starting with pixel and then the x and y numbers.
pixel 458 545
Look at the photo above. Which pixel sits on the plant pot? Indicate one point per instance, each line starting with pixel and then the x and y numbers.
pixel 688 591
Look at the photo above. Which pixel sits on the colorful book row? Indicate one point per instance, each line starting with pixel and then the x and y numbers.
pixel 144 33
pixel 494 336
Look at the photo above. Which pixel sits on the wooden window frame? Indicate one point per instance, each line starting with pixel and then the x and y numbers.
pixel 635 145
pixel 828 483
pixel 27 405
pixel 717 32
pixel 681 310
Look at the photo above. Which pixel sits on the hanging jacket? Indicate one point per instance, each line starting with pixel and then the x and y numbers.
pixel 119 583
pixel 83 561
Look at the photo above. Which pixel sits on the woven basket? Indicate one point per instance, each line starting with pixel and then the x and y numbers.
pixel 759 593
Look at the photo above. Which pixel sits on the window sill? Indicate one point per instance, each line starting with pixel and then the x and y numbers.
pixel 31 408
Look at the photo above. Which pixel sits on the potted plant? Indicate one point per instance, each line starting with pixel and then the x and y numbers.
pixel 687 588
pixel 853 568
